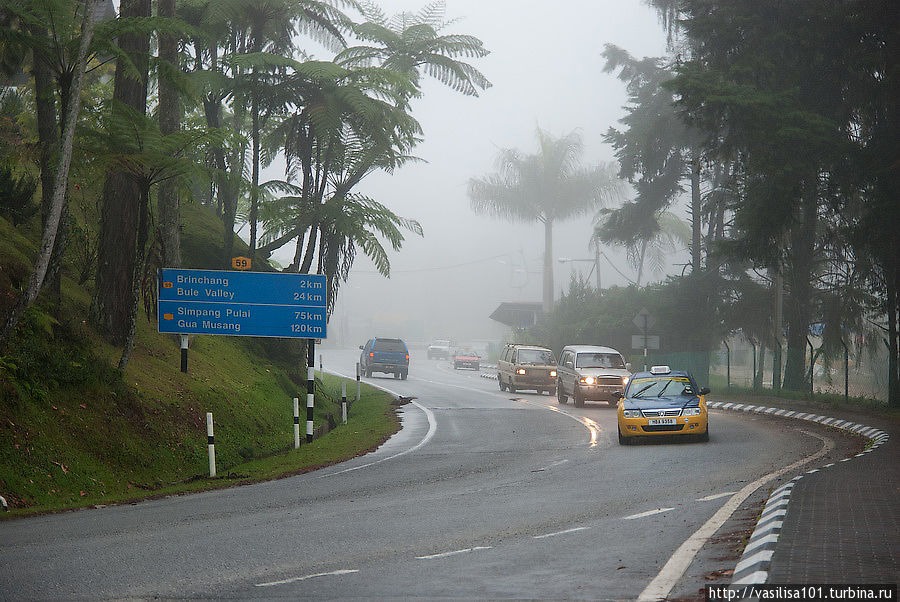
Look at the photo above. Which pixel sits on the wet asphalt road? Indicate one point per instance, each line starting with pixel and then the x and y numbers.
pixel 483 494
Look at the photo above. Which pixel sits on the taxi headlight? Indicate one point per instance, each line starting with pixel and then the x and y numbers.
pixel 520 371
pixel 631 413
pixel 691 412
pixel 553 373
pixel 588 380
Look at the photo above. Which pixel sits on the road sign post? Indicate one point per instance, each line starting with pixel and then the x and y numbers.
pixel 644 320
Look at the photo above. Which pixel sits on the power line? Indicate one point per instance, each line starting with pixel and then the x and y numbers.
pixel 436 268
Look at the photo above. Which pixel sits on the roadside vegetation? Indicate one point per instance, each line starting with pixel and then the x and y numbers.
pixel 135 140
pixel 776 124
pixel 75 431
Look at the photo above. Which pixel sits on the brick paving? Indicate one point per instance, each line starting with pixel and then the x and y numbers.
pixel 843 523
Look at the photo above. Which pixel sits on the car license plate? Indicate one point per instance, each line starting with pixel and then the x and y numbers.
pixel 661 421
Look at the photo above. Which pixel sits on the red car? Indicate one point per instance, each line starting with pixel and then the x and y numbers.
pixel 466 358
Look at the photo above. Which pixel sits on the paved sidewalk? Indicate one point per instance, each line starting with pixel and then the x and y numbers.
pixel 843 523
pixel 837 524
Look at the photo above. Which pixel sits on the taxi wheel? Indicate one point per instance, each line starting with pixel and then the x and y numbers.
pixel 623 440
pixel 561 394
pixel 577 399
pixel 704 438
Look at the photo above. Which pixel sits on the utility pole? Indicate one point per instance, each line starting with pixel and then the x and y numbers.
pixel 777 319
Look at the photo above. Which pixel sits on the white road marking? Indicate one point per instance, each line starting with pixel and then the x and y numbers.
pixel 453 553
pixel 592 426
pixel 648 513
pixel 432 428
pixel 662 584
pixel 303 578
pixel 715 496
pixel 561 532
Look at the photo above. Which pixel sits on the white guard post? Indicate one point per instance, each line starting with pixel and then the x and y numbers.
pixel 211 444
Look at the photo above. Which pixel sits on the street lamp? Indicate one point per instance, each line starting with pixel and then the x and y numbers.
pixel 595 268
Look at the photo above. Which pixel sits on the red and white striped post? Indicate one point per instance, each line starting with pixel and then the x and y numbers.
pixel 211 444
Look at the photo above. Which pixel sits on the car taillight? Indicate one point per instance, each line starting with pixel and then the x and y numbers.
pixel 371 354
pixel 407 357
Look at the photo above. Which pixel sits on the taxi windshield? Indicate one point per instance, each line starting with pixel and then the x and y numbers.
pixel 657 387
pixel 599 360
pixel 536 357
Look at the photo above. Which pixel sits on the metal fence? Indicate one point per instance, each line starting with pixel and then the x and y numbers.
pixel 860 373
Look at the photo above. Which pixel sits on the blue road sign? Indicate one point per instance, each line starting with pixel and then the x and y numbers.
pixel 262 304
pixel 269 288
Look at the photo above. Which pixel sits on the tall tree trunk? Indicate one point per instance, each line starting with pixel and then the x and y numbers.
pixel 47 127
pixel 254 185
pixel 48 234
pixel 49 131
pixel 53 279
pixel 114 294
pixel 225 193
pixel 310 249
pixel 548 265
pixel 696 224
pixel 799 308
pixel 168 201
pixel 143 236
pixel 892 277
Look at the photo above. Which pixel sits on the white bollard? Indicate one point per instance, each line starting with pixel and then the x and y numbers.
pixel 211 444
pixel 296 423
pixel 344 401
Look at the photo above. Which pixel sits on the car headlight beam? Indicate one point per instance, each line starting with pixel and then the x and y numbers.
pixel 588 380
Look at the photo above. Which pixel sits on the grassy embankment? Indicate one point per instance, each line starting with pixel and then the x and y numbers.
pixel 75 432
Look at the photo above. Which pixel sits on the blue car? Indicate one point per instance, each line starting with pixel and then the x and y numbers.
pixel 384 355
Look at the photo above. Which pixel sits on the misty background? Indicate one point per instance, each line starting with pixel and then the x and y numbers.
pixel 547 70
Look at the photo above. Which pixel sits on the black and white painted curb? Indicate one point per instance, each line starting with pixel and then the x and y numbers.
pixel 753 568
pixel 492 374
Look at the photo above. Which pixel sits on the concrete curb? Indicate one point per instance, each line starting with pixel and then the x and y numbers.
pixel 753 567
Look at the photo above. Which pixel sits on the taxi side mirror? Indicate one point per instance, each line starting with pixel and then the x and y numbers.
pixel 704 391
pixel 617 395
pixel 360 346
pixel 569 365
pixel 628 366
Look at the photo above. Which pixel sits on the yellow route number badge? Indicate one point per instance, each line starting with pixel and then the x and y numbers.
pixel 240 263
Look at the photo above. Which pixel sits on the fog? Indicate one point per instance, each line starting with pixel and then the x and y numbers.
pixel 547 70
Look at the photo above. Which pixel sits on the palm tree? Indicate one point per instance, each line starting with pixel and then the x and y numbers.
pixel 670 234
pixel 545 187
pixel 408 42
pixel 51 223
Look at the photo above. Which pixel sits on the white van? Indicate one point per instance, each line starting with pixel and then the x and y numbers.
pixel 591 373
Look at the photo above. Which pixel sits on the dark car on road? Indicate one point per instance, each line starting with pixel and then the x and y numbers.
pixel 384 355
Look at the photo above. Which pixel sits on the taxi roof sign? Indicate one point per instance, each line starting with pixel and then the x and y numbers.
pixel 660 370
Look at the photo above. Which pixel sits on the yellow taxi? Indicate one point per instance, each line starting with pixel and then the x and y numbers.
pixel 662 402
